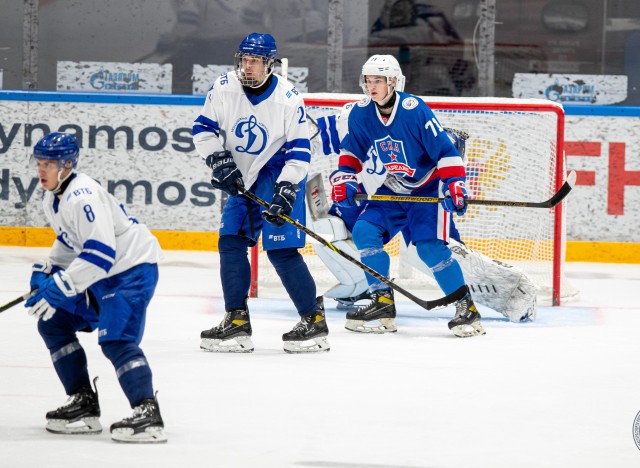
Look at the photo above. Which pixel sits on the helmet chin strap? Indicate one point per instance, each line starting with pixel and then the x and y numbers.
pixel 61 181
pixel 389 100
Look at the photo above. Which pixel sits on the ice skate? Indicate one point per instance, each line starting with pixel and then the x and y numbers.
pixel 310 334
pixel 466 322
pixel 376 317
pixel 233 335
pixel 145 426
pixel 79 415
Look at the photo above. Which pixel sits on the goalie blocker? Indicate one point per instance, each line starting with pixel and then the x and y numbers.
pixel 494 284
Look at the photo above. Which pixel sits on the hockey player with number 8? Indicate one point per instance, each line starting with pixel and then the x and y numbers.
pixel 253 132
pixel 101 273
pixel 399 136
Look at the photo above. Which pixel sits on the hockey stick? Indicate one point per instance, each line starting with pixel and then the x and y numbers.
pixel 550 203
pixel 442 302
pixel 16 301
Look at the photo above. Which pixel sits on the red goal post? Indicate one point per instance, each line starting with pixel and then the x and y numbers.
pixel 515 152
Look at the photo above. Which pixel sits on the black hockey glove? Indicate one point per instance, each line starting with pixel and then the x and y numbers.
pixel 284 196
pixel 225 172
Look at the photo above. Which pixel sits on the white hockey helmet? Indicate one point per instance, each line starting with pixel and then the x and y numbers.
pixel 383 65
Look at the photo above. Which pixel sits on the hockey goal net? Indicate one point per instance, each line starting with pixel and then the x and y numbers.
pixel 514 152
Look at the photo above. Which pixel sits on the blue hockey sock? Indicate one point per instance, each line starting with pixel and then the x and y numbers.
pixel 445 268
pixel 368 238
pixel 132 370
pixel 68 356
pixel 295 277
pixel 235 270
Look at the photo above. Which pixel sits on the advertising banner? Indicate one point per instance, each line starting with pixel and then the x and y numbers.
pixel 113 77
pixel 571 89
pixel 144 155
pixel 203 77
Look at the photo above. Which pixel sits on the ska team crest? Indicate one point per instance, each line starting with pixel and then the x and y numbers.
pixel 250 135
pixel 391 154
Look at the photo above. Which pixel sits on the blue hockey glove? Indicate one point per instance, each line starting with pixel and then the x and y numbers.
pixel 41 271
pixel 344 185
pixel 284 196
pixel 455 196
pixel 225 173
pixel 55 291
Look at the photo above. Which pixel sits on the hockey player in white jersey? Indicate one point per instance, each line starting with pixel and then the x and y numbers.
pixel 101 273
pixel 401 137
pixel 253 131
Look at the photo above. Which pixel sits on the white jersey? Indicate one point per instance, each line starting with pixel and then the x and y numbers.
pixel 95 238
pixel 255 129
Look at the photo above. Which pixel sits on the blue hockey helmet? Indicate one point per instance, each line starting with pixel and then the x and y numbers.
pixel 58 146
pixel 257 46
pixel 263 45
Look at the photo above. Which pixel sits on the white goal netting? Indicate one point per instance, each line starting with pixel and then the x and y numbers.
pixel 514 152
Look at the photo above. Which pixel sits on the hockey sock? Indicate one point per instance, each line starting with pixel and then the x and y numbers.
pixel 445 268
pixel 296 278
pixel 235 270
pixel 368 238
pixel 68 356
pixel 132 370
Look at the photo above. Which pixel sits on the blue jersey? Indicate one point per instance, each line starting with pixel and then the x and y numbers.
pixel 410 149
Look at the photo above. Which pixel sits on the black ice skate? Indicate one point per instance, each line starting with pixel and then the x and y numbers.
pixel 377 317
pixel 79 415
pixel 466 322
pixel 349 303
pixel 233 335
pixel 145 426
pixel 310 333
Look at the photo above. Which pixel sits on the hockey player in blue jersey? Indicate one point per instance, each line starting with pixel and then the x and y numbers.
pixel 101 273
pixel 399 136
pixel 253 131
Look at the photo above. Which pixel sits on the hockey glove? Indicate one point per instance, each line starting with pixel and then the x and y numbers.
pixel 284 196
pixel 54 292
pixel 41 271
pixel 455 196
pixel 225 173
pixel 344 185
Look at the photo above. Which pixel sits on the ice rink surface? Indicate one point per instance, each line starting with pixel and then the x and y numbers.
pixel 560 392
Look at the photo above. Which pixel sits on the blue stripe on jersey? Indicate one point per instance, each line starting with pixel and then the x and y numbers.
pixel 96 260
pixel 100 247
pixel 204 124
pixel 62 241
pixel 298 149
pixel 335 137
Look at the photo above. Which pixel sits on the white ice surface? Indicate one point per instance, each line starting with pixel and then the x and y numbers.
pixel 560 392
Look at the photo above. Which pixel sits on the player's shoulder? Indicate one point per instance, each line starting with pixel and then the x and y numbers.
pixel 288 93
pixel 409 102
pixel 82 189
pixel 226 82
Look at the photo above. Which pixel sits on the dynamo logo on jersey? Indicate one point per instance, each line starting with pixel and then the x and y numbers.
pixel 391 154
pixel 252 134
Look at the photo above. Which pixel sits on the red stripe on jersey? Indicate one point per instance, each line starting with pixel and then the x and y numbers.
pixel 346 161
pixel 451 171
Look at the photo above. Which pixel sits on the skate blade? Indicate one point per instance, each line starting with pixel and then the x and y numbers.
pixel 468 330
pixel 385 325
pixel 87 426
pixel 314 345
pixel 239 344
pixel 151 435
